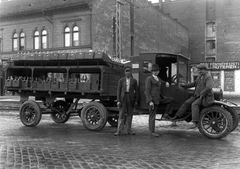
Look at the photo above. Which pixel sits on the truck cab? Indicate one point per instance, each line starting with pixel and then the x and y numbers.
pixel 174 69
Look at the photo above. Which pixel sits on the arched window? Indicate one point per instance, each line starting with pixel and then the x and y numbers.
pixel 15 42
pixel 36 40
pixel 67 37
pixel 75 36
pixel 22 41
pixel 44 39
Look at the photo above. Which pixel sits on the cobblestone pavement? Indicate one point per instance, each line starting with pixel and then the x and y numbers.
pixel 71 146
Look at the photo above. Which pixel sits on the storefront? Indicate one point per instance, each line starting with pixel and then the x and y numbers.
pixel 226 75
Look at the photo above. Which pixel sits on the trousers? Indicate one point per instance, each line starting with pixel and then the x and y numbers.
pixel 168 101
pixel 194 103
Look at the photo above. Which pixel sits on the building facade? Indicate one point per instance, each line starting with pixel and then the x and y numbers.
pixel 214 37
pixel 114 26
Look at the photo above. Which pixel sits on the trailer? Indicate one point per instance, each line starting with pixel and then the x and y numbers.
pixel 59 81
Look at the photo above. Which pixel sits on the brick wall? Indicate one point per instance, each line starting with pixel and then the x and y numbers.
pixel 154 31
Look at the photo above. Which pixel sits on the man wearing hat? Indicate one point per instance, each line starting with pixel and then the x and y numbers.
pixel 154 98
pixel 203 89
pixel 127 97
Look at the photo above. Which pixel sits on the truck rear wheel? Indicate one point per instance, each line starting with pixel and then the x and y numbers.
pixel 113 121
pixel 94 116
pixel 215 122
pixel 30 113
pixel 59 115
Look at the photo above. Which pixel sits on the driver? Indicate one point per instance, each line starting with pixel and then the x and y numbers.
pixel 203 88
pixel 154 97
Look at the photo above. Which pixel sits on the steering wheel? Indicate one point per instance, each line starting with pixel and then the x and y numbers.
pixel 173 79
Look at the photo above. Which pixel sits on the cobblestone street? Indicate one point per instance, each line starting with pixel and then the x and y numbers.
pixel 71 146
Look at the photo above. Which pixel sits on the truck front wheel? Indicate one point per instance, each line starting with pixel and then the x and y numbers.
pixel 30 113
pixel 94 116
pixel 215 122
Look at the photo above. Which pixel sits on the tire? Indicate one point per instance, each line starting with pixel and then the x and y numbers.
pixel 215 122
pixel 113 121
pixel 30 113
pixel 235 117
pixel 94 116
pixel 59 115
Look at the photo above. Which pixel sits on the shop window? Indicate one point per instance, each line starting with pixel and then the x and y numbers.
pixel 210 30
pixel 75 36
pixel 15 42
pixel 229 81
pixel 36 40
pixel 67 37
pixel 210 47
pixel 216 75
pixel 22 41
pixel 44 39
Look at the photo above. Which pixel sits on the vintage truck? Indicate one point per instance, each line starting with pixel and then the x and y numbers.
pixel 59 80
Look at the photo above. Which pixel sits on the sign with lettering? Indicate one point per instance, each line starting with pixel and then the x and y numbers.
pixel 216 79
pixel 229 81
pixel 222 65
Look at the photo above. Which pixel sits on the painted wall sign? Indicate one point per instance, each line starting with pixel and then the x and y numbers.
pixel 222 65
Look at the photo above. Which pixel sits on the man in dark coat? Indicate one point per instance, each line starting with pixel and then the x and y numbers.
pixel 127 98
pixel 154 98
pixel 203 89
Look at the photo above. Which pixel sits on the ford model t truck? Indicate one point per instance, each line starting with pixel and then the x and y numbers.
pixel 60 80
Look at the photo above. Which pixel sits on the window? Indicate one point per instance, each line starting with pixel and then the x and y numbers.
pixel 22 41
pixel 75 36
pixel 44 39
pixel 210 47
pixel 67 37
pixel 36 40
pixel 211 30
pixel 15 42
pixel 147 66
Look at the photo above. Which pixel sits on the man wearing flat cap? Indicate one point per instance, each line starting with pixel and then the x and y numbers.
pixel 127 98
pixel 203 91
pixel 154 98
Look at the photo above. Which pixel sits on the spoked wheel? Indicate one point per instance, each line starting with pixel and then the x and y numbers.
pixel 215 122
pixel 30 113
pixel 113 121
pixel 59 115
pixel 94 116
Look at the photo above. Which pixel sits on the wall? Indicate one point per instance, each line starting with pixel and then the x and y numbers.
pixel 153 30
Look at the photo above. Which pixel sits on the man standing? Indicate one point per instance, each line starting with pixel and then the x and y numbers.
pixel 154 98
pixel 203 89
pixel 127 97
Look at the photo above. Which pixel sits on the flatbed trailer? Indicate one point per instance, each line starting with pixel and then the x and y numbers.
pixel 61 80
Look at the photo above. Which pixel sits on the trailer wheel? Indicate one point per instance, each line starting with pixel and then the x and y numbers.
pixel 94 116
pixel 215 122
pixel 113 121
pixel 30 113
pixel 59 115
pixel 235 117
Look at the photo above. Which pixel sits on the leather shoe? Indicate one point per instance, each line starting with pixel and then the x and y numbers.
pixel 154 134
pixel 131 133
pixel 175 117
pixel 165 117
pixel 193 125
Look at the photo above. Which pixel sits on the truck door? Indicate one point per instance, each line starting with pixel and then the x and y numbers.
pixel 146 60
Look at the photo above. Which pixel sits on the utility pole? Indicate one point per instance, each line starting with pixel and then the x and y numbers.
pixel 118 30
pixel 132 26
